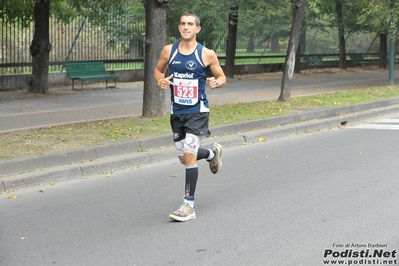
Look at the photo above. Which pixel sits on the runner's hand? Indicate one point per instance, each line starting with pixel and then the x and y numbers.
pixel 164 83
pixel 212 82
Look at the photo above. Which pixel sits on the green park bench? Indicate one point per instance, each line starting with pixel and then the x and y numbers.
pixel 358 60
pixel 88 71
pixel 316 62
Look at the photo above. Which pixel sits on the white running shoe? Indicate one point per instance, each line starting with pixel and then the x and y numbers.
pixel 184 213
pixel 216 163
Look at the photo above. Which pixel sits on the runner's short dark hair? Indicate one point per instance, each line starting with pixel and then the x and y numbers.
pixel 192 14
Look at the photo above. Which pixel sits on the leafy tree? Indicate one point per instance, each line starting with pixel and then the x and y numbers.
pixel 374 17
pixel 354 16
pixel 299 8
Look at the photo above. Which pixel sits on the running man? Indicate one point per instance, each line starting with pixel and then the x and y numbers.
pixel 187 62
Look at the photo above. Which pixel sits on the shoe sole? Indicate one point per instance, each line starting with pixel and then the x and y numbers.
pixel 182 219
pixel 219 156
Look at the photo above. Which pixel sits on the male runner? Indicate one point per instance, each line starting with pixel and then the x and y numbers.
pixel 187 62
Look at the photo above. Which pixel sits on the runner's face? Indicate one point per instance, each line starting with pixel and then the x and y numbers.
pixel 188 28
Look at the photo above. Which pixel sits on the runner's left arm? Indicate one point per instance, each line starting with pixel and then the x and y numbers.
pixel 219 79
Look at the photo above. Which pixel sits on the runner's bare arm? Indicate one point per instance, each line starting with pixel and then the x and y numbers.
pixel 159 71
pixel 211 60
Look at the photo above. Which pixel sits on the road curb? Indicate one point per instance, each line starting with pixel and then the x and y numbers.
pixel 75 164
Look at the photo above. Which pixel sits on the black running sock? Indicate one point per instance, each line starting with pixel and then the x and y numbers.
pixel 202 154
pixel 191 181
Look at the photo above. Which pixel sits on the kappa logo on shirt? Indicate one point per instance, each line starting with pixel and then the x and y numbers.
pixel 191 65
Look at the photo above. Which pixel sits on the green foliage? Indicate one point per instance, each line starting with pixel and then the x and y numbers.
pixel 359 15
pixel 65 10
pixel 16 10
pixel 276 13
pixel 132 28
pixel 374 15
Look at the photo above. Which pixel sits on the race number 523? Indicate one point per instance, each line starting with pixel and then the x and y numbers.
pixel 186 91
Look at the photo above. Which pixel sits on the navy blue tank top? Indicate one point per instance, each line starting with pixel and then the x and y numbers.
pixel 189 78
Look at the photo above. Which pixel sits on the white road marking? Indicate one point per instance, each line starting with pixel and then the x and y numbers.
pixel 386 124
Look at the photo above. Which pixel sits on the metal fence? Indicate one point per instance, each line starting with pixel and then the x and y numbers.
pixel 118 41
pixel 80 40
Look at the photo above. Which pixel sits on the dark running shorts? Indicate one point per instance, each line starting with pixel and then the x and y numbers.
pixel 196 124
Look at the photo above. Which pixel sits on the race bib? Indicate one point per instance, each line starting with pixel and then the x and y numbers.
pixel 185 91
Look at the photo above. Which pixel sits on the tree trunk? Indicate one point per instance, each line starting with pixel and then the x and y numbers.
pixel 341 34
pixel 155 40
pixel 301 48
pixel 251 45
pixel 383 50
pixel 302 38
pixel 299 9
pixel 275 43
pixel 297 68
pixel 40 48
pixel 231 42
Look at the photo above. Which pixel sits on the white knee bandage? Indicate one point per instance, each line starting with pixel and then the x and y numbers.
pixel 190 144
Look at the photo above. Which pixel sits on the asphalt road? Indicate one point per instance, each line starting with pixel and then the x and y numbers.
pixel 288 201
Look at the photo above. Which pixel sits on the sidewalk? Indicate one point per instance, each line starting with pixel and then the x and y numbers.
pixel 23 111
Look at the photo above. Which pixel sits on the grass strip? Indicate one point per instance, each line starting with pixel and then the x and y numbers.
pixel 52 139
